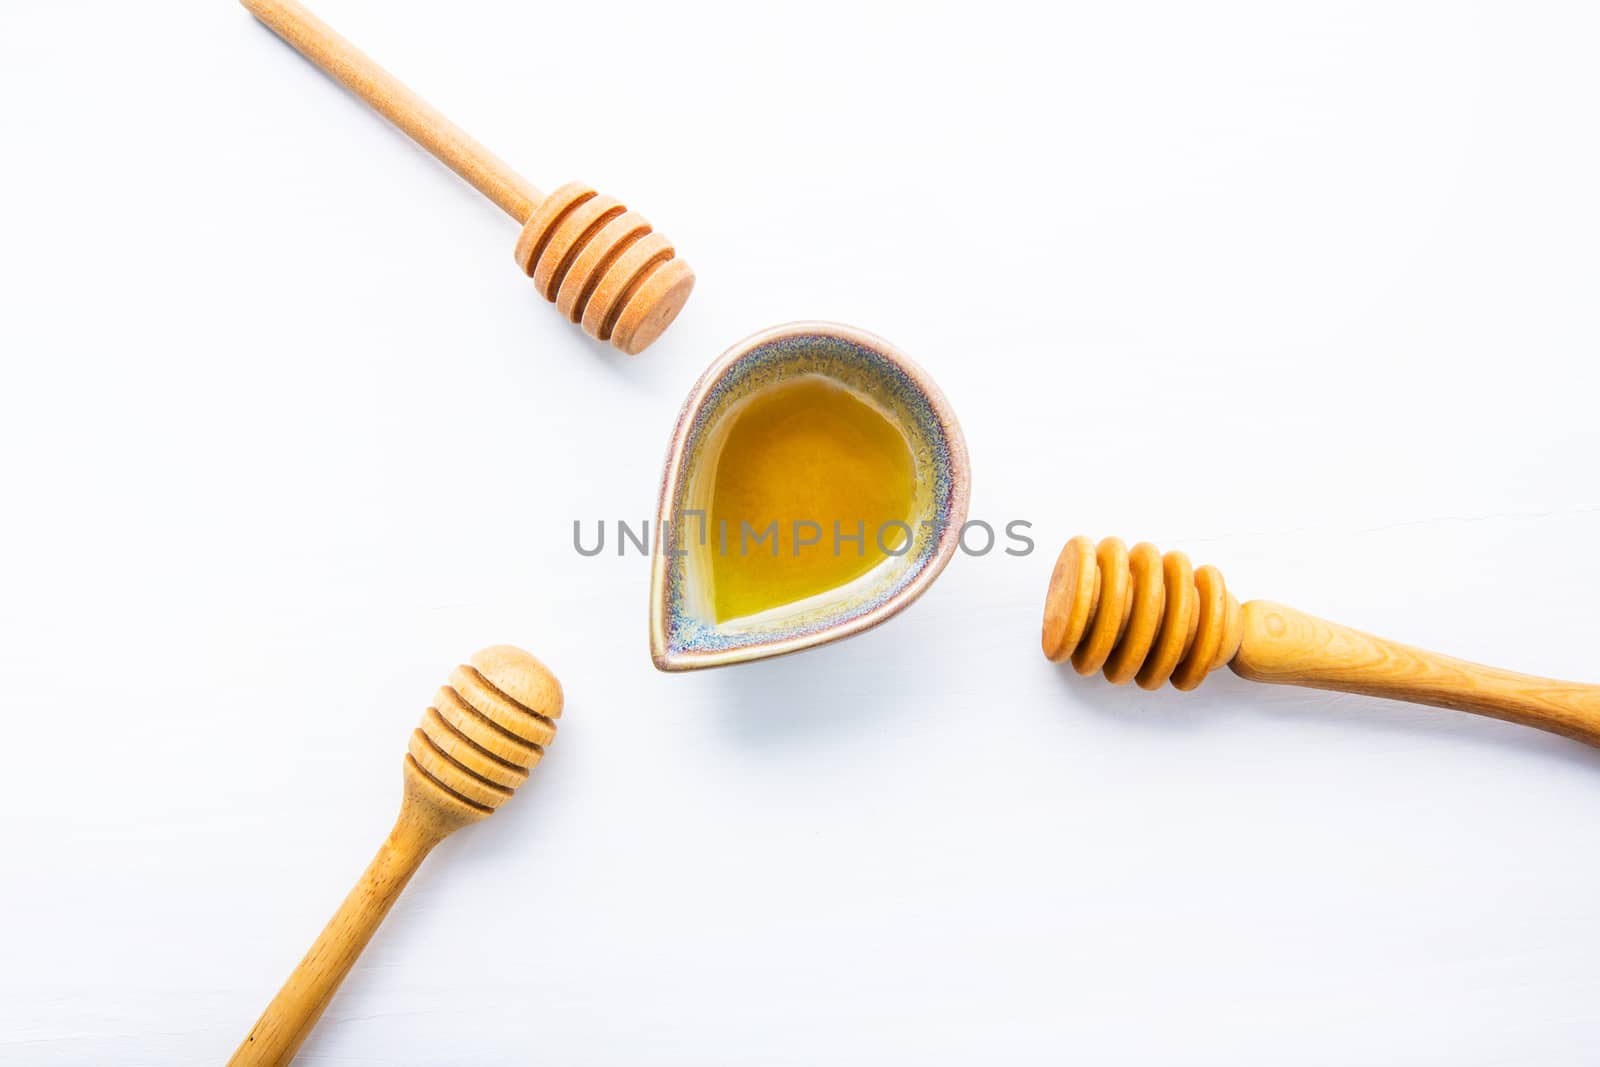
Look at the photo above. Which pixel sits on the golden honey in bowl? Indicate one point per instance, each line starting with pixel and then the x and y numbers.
pixel 816 483
pixel 813 488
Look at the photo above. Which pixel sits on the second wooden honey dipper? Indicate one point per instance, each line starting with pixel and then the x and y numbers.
pixel 1138 615
pixel 601 264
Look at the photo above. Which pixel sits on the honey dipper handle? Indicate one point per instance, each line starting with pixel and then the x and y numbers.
pixel 288 1020
pixel 354 70
pixel 1290 647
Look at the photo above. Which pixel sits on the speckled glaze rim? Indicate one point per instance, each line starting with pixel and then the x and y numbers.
pixel 670 649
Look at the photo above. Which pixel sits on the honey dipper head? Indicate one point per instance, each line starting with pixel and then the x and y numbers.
pixel 485 730
pixel 603 267
pixel 1138 614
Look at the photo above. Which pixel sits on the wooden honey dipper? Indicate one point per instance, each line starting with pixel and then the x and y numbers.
pixel 485 731
pixel 1141 616
pixel 600 263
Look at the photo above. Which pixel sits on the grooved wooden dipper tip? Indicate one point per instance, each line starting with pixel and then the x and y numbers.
pixel 1138 615
pixel 485 730
pixel 603 266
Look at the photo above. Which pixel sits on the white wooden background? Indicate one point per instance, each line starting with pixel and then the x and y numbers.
pixel 1305 290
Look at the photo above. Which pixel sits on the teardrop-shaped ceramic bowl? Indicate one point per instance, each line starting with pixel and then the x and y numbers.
pixel 684 632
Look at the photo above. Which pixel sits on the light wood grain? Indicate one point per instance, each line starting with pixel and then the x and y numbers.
pixel 476 744
pixel 1289 647
pixel 1112 609
pixel 602 265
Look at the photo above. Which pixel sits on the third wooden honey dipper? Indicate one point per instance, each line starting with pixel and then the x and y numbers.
pixel 1140 616
pixel 601 264
pixel 478 740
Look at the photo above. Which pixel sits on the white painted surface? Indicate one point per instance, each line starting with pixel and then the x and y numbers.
pixel 285 436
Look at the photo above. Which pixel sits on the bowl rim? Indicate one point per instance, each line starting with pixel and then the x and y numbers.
pixel 665 658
